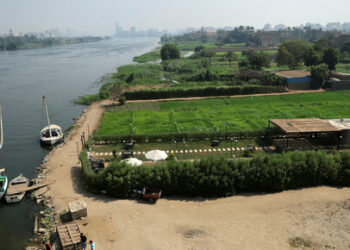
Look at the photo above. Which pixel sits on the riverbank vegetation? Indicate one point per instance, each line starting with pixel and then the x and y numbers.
pixel 218 177
pixel 33 42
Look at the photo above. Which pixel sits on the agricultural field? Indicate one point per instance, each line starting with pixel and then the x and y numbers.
pixel 217 115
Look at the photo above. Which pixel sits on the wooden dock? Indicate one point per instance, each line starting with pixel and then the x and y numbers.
pixel 17 189
pixel 69 235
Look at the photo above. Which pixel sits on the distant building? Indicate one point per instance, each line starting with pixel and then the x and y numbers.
pixel 296 79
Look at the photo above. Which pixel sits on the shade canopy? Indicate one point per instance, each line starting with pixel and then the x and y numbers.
pixel 156 155
pixel 133 162
pixel 312 125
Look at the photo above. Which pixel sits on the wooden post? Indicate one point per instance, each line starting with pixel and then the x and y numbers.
pixel 78 151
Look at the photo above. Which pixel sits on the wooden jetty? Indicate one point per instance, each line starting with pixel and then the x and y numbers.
pixel 69 235
pixel 17 189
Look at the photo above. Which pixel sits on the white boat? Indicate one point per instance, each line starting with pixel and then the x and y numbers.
pixel 3 183
pixel 52 133
pixel 18 182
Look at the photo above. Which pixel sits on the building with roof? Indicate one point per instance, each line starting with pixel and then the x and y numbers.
pixel 339 81
pixel 311 132
pixel 297 79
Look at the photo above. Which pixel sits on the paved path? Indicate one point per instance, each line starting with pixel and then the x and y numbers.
pixel 186 151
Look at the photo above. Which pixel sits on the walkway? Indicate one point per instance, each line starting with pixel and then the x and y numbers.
pixel 190 151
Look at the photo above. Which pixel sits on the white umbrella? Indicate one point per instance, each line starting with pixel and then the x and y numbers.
pixel 156 155
pixel 133 162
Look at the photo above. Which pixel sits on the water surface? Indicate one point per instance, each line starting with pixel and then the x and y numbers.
pixel 61 73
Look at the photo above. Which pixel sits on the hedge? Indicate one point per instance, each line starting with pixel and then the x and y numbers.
pixel 218 177
pixel 181 136
pixel 201 92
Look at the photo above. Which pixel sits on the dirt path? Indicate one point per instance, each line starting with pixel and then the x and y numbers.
pixel 319 216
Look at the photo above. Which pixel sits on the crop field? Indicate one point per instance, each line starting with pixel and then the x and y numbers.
pixel 215 115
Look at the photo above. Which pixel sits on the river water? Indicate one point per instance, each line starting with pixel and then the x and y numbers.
pixel 61 73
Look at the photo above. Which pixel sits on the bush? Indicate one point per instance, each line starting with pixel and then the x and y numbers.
pixel 217 177
pixel 169 51
pixel 122 100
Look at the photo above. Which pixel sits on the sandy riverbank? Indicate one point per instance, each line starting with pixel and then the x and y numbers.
pixel 320 215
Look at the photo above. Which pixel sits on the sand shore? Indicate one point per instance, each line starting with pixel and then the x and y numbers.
pixel 319 216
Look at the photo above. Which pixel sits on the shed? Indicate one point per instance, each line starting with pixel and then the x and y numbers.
pixel 297 79
pixel 308 125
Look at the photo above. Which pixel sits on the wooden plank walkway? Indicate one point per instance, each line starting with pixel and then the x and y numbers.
pixel 69 234
pixel 17 189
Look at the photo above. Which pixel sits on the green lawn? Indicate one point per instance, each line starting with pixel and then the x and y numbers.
pixel 240 114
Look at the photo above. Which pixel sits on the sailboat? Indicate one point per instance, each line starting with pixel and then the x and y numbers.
pixel 52 133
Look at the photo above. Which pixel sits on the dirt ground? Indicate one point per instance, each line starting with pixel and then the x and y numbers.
pixel 314 218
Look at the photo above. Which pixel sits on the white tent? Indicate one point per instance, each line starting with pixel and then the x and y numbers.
pixel 133 162
pixel 156 155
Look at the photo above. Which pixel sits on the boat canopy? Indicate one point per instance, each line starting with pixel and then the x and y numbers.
pixel 53 126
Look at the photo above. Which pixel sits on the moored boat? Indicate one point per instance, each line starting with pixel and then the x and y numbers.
pixel 20 182
pixel 52 134
pixel 3 183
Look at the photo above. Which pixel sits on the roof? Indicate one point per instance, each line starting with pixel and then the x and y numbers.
pixel 343 124
pixel 308 125
pixel 293 73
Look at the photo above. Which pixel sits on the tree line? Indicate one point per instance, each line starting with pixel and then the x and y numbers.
pixel 218 177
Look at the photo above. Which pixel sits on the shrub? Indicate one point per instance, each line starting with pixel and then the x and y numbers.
pixel 169 51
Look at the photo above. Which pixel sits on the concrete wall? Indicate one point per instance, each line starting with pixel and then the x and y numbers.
pixel 342 85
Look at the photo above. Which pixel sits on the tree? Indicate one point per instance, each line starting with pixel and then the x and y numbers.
pixel 243 63
pixel 116 90
pixel 321 44
pixel 230 56
pixel 311 56
pixel 199 48
pixel 345 47
pixel 208 54
pixel 169 51
pixel 319 74
pixel 130 78
pixel 291 53
pixel 257 60
pixel 331 58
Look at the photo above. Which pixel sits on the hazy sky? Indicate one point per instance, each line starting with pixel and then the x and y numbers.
pixel 99 16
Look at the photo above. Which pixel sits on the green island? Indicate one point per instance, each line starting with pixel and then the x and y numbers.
pixel 33 42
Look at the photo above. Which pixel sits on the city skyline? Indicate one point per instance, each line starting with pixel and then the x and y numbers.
pixel 98 18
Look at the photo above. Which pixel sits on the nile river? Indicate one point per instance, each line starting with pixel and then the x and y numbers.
pixel 61 73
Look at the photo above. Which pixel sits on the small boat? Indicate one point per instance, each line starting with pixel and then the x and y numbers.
pixel 52 133
pixel 18 182
pixel 3 183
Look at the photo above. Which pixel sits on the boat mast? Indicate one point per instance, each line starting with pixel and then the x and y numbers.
pixel 1 130
pixel 47 116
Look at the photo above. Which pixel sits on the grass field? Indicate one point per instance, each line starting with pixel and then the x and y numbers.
pixel 239 114
pixel 148 57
